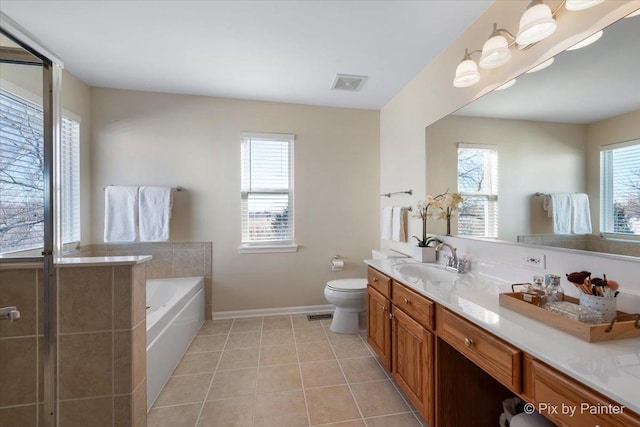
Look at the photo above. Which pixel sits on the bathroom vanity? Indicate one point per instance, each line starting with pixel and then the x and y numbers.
pixel 457 354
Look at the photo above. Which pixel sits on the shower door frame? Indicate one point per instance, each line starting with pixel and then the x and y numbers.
pixel 51 85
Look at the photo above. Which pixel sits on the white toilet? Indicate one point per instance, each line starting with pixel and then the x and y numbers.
pixel 350 298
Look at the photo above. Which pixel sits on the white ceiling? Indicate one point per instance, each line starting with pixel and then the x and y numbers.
pixel 286 51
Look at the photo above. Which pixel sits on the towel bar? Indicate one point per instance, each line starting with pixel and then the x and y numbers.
pixel 409 192
pixel 178 188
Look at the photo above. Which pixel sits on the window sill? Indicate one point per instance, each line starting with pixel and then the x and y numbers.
pixel 619 237
pixel 267 249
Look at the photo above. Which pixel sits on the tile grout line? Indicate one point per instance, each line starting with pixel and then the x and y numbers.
pixel 343 374
pixel 255 396
pixel 304 393
pixel 204 401
pixel 303 389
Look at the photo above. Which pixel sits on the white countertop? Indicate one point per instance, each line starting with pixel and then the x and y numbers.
pixel 96 261
pixel 612 367
pixel 101 261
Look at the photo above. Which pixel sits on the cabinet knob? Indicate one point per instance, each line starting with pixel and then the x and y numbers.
pixel 468 342
pixel 406 301
pixel 383 307
pixel 375 280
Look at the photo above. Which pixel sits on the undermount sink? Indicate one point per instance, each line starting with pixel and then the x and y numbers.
pixel 427 272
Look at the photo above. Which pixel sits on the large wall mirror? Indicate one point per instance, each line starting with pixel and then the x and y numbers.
pixel 547 132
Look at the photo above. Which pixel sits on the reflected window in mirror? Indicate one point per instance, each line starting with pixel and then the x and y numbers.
pixel 478 185
pixel 620 190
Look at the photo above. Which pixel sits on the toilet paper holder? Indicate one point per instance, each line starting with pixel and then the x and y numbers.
pixel 336 263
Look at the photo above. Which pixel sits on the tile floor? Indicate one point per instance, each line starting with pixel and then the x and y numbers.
pixel 279 371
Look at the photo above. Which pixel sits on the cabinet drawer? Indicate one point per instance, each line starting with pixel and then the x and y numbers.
pixel 414 304
pixel 379 282
pixel 496 357
pixel 567 402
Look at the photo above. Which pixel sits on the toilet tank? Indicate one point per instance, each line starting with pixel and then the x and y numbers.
pixel 386 253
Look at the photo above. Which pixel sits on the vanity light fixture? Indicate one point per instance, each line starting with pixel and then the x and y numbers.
pixel 467 71
pixel 586 42
pixel 581 4
pixel 537 23
pixel 495 51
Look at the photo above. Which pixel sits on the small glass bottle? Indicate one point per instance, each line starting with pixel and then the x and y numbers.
pixel 538 288
pixel 554 291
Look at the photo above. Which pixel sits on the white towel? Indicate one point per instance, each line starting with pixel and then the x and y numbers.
pixel 386 222
pixel 399 224
pixel 120 214
pixel 154 213
pixel 560 211
pixel 581 220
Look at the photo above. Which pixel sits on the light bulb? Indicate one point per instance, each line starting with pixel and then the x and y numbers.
pixel 495 52
pixel 536 24
pixel 466 74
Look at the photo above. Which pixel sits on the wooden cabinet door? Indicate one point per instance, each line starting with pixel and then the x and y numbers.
pixel 379 325
pixel 412 361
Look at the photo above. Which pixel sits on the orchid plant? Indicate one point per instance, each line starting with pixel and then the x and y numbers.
pixel 447 203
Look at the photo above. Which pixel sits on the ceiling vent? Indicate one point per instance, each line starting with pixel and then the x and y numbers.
pixel 347 82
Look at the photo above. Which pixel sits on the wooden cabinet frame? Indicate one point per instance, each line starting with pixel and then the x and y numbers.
pixel 438 370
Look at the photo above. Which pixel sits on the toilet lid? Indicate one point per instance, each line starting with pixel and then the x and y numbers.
pixel 348 284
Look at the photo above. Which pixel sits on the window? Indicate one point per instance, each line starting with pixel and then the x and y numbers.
pixel 620 189
pixel 267 193
pixel 70 142
pixel 478 185
pixel 21 175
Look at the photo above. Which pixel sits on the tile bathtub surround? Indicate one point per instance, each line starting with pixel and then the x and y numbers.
pixel 21 352
pixel 279 371
pixel 102 345
pixel 169 260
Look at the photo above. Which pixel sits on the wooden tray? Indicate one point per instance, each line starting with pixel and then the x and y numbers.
pixel 624 326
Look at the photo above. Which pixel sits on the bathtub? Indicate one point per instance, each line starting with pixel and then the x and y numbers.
pixel 175 313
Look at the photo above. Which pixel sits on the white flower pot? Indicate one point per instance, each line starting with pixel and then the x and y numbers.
pixel 427 254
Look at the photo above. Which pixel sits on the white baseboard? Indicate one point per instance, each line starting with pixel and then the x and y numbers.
pixel 305 309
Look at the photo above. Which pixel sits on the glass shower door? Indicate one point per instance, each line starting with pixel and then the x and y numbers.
pixel 27 345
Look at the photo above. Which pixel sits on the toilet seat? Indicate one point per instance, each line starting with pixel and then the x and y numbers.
pixel 348 285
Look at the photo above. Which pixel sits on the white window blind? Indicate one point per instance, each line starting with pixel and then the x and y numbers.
pixel 478 185
pixel 267 190
pixel 21 175
pixel 70 141
pixel 620 189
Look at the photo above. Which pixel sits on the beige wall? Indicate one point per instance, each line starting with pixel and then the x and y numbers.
pixel 194 142
pixel 532 157
pixel 76 99
pixel 431 95
pixel 616 129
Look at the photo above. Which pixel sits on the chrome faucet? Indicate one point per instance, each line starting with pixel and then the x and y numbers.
pixel 453 263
